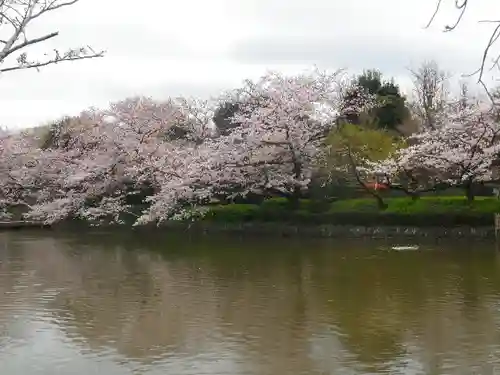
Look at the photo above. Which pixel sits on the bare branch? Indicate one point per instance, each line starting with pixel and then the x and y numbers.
pixel 53 5
pixel 461 6
pixel 430 93
pixel 30 42
pixel 37 65
pixel 493 38
pixel 18 14
pixel 436 11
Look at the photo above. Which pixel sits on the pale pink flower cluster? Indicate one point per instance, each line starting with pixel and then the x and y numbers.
pixel 170 153
pixel 462 149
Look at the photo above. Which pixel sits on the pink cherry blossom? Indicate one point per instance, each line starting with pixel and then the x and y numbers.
pixel 171 153
pixel 460 151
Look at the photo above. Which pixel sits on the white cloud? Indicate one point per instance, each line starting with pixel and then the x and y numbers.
pixel 198 47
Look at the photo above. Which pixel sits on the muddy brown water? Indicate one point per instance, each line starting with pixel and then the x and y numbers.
pixel 118 303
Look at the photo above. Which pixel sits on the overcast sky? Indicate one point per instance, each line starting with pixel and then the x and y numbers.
pixel 197 47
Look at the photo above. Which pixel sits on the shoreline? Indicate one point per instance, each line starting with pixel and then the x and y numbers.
pixel 328 230
pixel 282 229
pixel 13 225
pixel 340 231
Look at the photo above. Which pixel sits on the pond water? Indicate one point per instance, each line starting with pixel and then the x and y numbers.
pixel 116 303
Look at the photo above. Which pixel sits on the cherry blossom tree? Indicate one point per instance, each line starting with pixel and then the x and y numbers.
pixel 19 158
pixel 459 152
pixel 88 168
pixel 352 148
pixel 97 163
pixel 282 124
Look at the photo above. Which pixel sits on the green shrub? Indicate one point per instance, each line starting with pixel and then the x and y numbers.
pixel 428 211
pixel 423 205
pixel 309 205
pixel 234 213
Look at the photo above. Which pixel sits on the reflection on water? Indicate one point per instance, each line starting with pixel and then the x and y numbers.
pixel 115 303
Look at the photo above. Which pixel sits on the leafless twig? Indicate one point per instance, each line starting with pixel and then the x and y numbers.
pixel 461 6
pixel 431 91
pixel 17 16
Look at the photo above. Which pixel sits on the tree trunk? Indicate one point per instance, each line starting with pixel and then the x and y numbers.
pixel 380 202
pixel 469 191
pixel 413 195
pixel 294 198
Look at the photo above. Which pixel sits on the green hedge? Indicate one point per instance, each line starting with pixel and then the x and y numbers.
pixel 424 205
pixel 431 211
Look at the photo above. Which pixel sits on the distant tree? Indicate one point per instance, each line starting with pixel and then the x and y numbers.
pixel 371 80
pixel 352 148
pixel 223 117
pixel 430 94
pixel 352 96
pixel 57 135
pixel 191 118
pixel 231 105
pixel 15 18
pixel 391 111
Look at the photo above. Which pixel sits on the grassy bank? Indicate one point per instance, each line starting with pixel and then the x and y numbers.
pixel 425 212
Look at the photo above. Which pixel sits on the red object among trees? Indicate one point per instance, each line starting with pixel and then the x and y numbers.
pixel 376 186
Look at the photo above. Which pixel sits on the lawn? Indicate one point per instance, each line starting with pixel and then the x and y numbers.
pixel 486 205
pixel 426 211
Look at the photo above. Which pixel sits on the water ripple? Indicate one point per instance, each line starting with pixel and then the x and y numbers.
pixel 72 306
